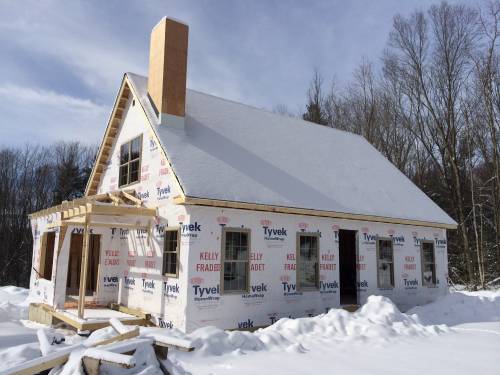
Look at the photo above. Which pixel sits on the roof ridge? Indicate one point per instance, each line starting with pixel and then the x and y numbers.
pixel 297 119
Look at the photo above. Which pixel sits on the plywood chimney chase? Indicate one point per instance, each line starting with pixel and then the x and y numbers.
pixel 167 71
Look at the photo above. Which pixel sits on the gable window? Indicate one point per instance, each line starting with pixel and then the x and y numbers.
pixel 307 261
pixel 385 263
pixel 130 161
pixel 428 264
pixel 235 260
pixel 47 255
pixel 171 253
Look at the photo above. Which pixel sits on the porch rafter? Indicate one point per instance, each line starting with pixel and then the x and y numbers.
pixel 116 203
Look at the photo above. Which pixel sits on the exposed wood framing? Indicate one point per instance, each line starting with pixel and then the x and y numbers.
pixel 109 137
pixel 83 272
pixel 43 249
pixel 42 311
pixel 93 224
pixel 116 200
pixel 186 200
pixel 129 310
pixel 132 198
pixel 117 203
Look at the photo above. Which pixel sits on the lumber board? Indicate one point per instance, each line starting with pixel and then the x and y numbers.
pixel 129 310
pixel 172 342
pixel 120 337
pixel 60 357
pixel 44 363
pixel 187 200
pixel 84 271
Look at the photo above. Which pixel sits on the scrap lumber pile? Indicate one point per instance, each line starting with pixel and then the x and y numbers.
pixel 116 351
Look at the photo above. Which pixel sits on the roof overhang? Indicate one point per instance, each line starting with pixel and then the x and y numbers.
pixel 187 200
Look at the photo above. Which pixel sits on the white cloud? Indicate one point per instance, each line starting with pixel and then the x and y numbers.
pixel 62 61
pixel 45 97
pixel 39 116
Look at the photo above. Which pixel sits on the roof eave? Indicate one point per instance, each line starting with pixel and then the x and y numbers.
pixel 189 200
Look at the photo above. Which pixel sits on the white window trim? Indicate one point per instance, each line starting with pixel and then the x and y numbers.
pixel 297 266
pixel 434 283
pixel 177 251
pixel 392 262
pixel 223 259
pixel 129 162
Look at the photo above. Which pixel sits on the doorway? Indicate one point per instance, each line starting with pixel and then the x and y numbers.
pixel 347 267
pixel 75 264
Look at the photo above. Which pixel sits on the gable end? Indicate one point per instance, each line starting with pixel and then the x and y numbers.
pixel 116 118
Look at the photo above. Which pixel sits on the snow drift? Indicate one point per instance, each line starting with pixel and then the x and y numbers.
pixel 462 307
pixel 378 318
pixel 377 322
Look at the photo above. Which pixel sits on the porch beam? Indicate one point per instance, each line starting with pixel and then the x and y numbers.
pixel 122 210
pixel 83 270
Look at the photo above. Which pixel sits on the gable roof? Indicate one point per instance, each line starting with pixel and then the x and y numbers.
pixel 233 152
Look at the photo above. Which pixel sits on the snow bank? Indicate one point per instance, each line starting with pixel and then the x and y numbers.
pixel 13 303
pixel 461 307
pixel 377 322
pixel 378 319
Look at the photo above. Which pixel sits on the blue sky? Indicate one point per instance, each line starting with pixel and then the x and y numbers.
pixel 62 61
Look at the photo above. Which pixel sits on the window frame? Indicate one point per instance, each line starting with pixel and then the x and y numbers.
pixel 42 261
pixel 297 261
pixel 422 263
pixel 129 142
pixel 225 230
pixel 177 251
pixel 393 282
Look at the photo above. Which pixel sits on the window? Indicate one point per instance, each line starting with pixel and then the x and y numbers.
pixel 307 261
pixel 47 255
pixel 385 263
pixel 171 253
pixel 130 161
pixel 235 260
pixel 428 264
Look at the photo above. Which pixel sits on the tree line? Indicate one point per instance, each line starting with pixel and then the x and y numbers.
pixel 31 179
pixel 432 107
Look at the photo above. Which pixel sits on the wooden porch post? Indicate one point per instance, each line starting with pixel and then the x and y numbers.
pixel 84 266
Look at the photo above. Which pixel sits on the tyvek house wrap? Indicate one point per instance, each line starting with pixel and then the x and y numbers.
pixel 230 151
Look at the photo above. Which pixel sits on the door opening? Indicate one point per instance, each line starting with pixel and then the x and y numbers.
pixel 347 267
pixel 75 263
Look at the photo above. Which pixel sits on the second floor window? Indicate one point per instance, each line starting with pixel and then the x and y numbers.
pixel 130 161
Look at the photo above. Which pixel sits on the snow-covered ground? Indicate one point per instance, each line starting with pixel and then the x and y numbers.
pixel 459 334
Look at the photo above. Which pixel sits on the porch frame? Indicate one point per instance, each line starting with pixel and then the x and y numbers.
pixel 82 211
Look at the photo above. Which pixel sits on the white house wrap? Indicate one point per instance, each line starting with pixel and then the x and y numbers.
pixel 258 216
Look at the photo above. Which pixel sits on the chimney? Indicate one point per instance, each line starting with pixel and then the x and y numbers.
pixel 167 71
